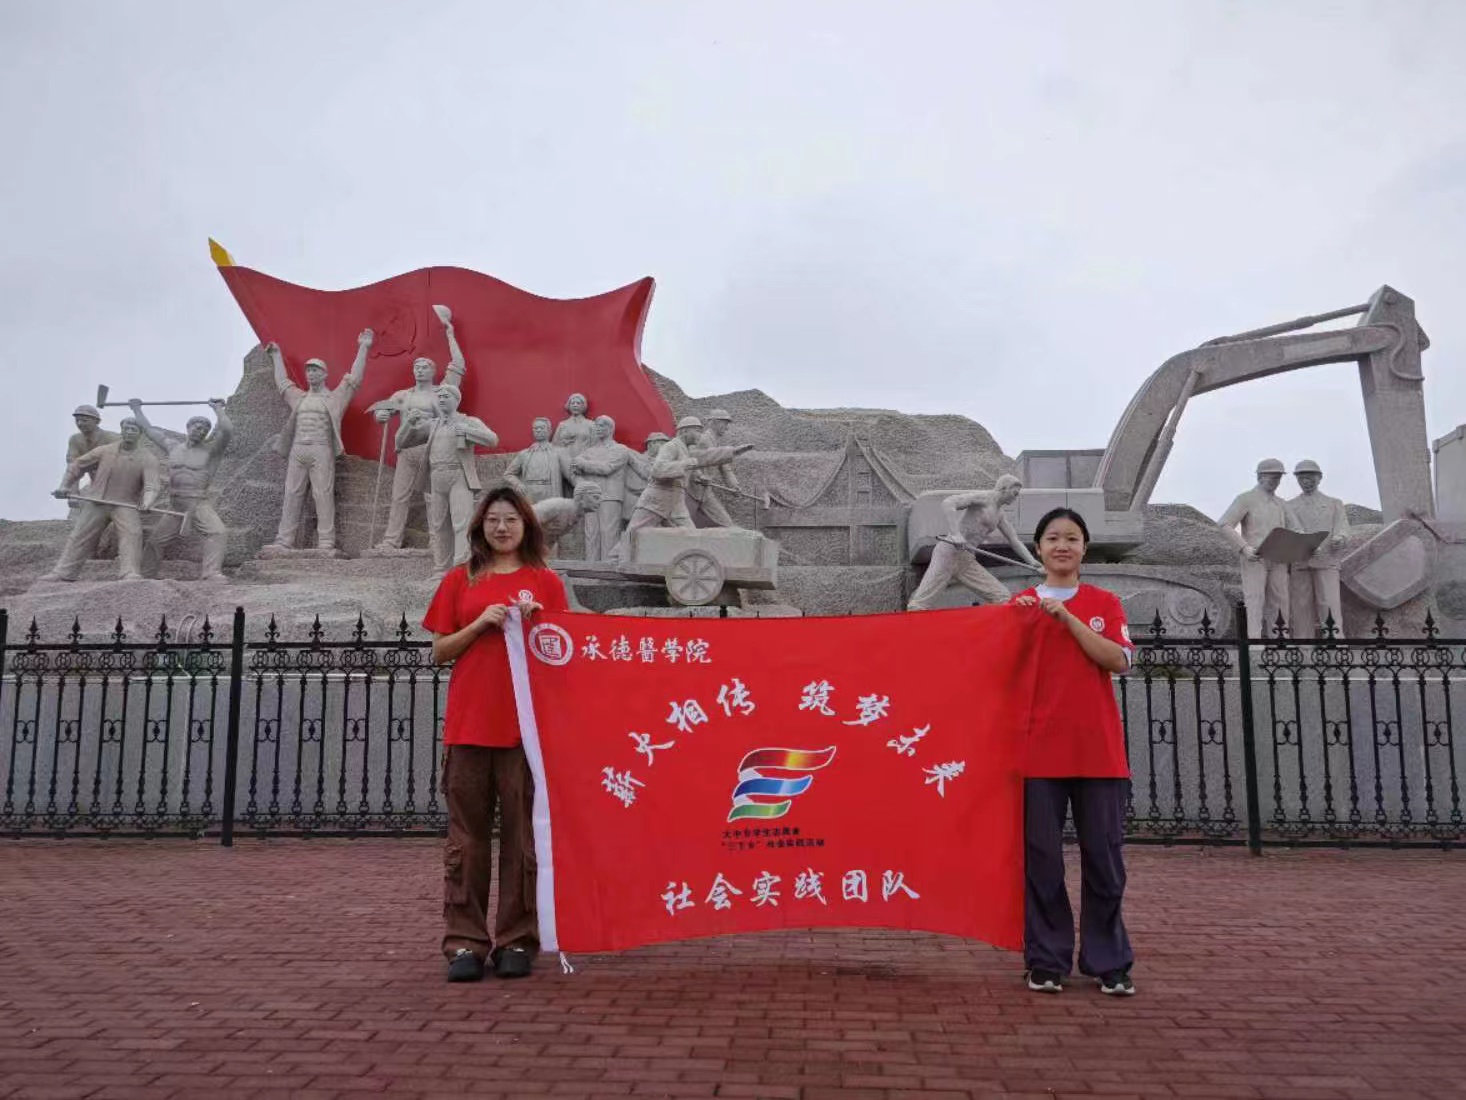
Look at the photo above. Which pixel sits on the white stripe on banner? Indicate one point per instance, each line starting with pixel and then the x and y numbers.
pixel 529 732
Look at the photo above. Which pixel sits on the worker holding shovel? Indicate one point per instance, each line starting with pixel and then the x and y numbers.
pixel 125 483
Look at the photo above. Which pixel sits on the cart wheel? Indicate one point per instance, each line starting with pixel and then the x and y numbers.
pixel 694 578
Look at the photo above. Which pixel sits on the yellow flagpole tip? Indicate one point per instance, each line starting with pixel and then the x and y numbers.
pixel 219 254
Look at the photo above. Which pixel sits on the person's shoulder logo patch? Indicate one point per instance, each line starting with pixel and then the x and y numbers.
pixel 551 644
pixel 1097 625
pixel 1125 633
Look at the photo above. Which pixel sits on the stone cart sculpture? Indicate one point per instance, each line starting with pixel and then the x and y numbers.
pixel 695 566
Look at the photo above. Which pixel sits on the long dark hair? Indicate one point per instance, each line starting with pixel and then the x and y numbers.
pixel 531 550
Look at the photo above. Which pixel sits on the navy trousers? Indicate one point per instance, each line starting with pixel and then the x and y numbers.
pixel 1048 919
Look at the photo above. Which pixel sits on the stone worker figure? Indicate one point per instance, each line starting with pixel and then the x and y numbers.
pixel 558 516
pixel 542 470
pixel 701 485
pixel 191 468
pixel 575 433
pixel 311 441
pixel 125 483
pixel 604 464
pixel 638 472
pixel 663 503
pixel 450 439
pixel 1256 512
pixel 410 475
pixel 1315 511
pixel 89 435
pixel 952 560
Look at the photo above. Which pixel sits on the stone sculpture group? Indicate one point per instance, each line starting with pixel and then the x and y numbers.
pixel 577 475
pixel 1255 514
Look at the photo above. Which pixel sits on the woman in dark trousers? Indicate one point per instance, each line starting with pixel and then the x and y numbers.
pixel 484 762
pixel 1075 759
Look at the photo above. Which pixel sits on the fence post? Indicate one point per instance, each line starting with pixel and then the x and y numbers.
pixel 231 738
pixel 4 638
pixel 1249 735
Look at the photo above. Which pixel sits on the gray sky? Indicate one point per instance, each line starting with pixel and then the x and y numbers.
pixel 955 207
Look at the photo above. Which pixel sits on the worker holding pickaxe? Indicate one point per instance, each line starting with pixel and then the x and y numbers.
pixel 125 483
pixel 191 468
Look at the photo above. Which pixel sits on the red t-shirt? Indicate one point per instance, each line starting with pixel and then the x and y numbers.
pixel 480 693
pixel 1076 729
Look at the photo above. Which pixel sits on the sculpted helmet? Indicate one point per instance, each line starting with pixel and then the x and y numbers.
pixel 657 437
pixel 1307 466
pixel 718 414
pixel 689 422
pixel 1270 466
pixel 87 410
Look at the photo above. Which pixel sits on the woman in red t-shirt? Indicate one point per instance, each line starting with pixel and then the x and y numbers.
pixel 1075 758
pixel 483 761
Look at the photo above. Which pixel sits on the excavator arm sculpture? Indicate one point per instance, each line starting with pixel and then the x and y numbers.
pixel 1386 344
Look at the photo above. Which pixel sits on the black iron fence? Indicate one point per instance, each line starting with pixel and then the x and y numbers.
pixel 1231 741
pixel 213 735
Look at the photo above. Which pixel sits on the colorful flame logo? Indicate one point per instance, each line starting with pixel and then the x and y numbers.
pixel 770 779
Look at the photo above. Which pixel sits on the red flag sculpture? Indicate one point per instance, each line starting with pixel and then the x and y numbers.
pixel 696 777
pixel 525 354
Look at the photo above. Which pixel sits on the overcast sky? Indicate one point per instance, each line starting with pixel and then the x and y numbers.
pixel 960 207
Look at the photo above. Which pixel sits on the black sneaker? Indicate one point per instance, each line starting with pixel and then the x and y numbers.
pixel 465 966
pixel 512 962
pixel 1045 981
pixel 1117 983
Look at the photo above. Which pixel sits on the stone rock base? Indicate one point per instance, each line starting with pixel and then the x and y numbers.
pixel 270 550
pixel 399 552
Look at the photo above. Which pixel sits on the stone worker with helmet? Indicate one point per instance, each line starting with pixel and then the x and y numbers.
pixel 664 500
pixel 1315 511
pixel 1256 512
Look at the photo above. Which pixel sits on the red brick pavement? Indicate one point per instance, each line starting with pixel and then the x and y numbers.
pixel 309 969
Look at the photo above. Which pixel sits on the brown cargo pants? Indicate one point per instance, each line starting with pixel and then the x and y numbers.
pixel 475 779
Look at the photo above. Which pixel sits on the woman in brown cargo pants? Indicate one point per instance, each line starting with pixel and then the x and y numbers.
pixel 484 762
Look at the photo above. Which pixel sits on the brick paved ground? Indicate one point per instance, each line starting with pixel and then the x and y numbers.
pixel 309 969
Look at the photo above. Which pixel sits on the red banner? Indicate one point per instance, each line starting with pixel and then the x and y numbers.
pixel 525 354
pixel 697 777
